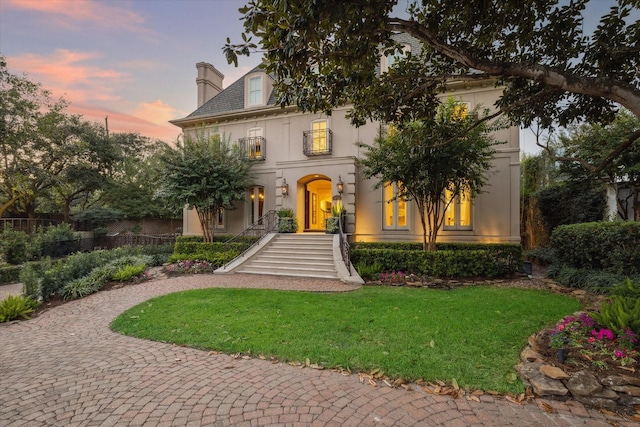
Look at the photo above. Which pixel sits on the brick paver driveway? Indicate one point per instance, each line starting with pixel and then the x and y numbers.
pixel 67 368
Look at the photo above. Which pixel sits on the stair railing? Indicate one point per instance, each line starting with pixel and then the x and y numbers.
pixel 267 223
pixel 345 249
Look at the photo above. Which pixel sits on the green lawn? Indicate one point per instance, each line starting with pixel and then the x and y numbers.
pixel 473 335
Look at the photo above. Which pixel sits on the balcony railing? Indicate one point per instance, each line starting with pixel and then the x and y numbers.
pixel 317 142
pixel 255 147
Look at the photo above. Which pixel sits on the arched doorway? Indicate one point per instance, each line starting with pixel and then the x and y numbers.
pixel 317 202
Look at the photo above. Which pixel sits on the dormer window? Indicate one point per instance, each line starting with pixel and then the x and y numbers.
pixel 255 96
pixel 391 59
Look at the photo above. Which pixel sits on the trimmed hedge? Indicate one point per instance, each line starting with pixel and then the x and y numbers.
pixel 457 260
pixel 220 238
pixel 201 247
pixel 10 274
pixel 613 247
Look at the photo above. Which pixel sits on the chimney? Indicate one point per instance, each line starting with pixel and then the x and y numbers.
pixel 209 82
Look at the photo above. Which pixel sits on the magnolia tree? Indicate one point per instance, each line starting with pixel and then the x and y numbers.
pixel 433 162
pixel 207 173
pixel 327 53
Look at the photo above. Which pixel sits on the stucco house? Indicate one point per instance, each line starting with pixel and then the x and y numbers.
pixel 307 162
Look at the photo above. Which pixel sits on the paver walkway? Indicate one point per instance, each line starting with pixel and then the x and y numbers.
pixel 67 368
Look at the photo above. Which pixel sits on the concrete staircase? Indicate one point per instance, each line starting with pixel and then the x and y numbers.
pixel 302 255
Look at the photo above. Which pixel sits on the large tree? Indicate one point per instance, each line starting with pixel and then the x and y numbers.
pixel 433 162
pixel 326 53
pixel 207 173
pixel 584 146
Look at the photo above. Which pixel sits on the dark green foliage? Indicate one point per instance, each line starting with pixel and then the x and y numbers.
pixel 49 278
pixel 369 271
pixel 14 245
pixel 189 239
pixel 622 310
pixel 542 255
pixel 595 281
pixel 466 260
pixel 613 247
pixel 10 273
pixel 558 205
pixel 14 307
pixel 194 247
pixel 217 259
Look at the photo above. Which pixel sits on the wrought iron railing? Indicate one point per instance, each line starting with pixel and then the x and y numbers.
pixel 345 249
pixel 317 142
pixel 255 147
pixel 268 223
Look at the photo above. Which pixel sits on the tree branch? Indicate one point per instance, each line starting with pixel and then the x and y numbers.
pixel 617 91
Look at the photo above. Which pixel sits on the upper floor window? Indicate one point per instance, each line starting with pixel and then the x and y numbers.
pixel 458 213
pixel 255 144
pixel 318 140
pixel 255 91
pixel 391 59
pixel 395 208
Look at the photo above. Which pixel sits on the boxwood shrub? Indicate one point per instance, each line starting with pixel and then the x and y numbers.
pixel 613 247
pixel 450 260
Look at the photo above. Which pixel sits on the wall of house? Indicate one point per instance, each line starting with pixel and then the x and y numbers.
pixel 495 214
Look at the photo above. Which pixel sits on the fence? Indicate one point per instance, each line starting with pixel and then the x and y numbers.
pixel 60 248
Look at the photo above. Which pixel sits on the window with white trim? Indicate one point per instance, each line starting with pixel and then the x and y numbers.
pixel 395 208
pixel 319 137
pixel 255 91
pixel 458 214
pixel 389 60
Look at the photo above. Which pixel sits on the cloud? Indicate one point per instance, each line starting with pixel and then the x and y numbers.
pixel 65 73
pixel 82 13
pixel 126 122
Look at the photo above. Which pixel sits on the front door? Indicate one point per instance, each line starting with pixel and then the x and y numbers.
pixel 317 204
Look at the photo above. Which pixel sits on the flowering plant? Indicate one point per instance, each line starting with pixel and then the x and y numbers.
pixel 594 344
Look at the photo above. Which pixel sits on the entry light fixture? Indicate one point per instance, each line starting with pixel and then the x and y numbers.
pixel 340 185
pixel 285 188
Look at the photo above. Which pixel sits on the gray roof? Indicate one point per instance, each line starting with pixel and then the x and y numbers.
pixel 230 99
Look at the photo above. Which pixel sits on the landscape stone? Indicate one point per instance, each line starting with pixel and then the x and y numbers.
pixel 553 372
pixel 606 393
pixel 628 400
pixel 628 389
pixel 598 402
pixel 529 355
pixel 620 380
pixel 542 386
pixel 583 383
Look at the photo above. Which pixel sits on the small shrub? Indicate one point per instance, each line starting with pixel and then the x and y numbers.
pixel 127 272
pixel 14 307
pixel 369 271
pixel 285 213
pixel 88 284
pixel 30 276
pixel 10 273
pixel 14 245
pixel 622 310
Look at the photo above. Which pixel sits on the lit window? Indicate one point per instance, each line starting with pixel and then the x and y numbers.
pixel 256 196
pixel 395 209
pixel 458 213
pixel 255 90
pixel 319 139
pixel 254 141
pixel 220 217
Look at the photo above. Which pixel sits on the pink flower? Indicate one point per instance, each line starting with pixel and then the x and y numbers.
pixel 605 333
pixel 561 327
pixel 591 340
pixel 619 354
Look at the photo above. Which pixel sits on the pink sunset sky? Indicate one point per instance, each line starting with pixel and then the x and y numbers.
pixel 131 60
